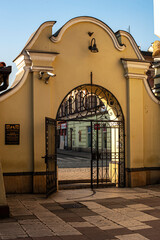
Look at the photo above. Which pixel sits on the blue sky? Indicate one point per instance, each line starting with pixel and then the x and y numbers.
pixel 20 18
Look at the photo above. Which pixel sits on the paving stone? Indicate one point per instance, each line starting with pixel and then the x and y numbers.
pixel 93 205
pixel 102 222
pixel 80 224
pixel 144 195
pixel 84 212
pixel 154 212
pixel 131 196
pixel 52 206
pixel 93 233
pixel 134 236
pixel 150 202
pixel 150 233
pixel 45 238
pixel 82 237
pixel 130 223
pixel 120 231
pixel 157 207
pixel 72 219
pixel 7 220
pixel 140 207
pixel 20 238
pixel 23 217
pixel 68 216
pixel 137 215
pixel 144 226
pixel 145 218
pixel 114 206
pixel 72 205
pixel 11 230
pixel 154 224
pixel 35 228
pixel 18 209
pixel 110 201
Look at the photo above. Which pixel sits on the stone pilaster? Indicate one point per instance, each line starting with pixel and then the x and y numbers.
pixel 135 73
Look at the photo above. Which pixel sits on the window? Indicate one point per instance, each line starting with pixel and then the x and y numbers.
pixel 90 102
pixel 80 136
pixel 89 136
pixel 70 105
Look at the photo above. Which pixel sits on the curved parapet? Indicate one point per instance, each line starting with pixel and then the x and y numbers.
pixel 133 43
pixel 58 35
pixel 25 61
pixel 35 36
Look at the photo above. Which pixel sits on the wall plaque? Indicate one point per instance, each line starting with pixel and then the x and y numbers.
pixel 12 132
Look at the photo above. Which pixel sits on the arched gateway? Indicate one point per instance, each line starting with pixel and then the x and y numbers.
pixel 98 116
pixel 49 66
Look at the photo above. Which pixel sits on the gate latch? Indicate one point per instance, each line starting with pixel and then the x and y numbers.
pixel 45 158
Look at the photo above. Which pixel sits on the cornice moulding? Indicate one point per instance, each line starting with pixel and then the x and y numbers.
pixel 131 64
pixel 41 68
pixel 42 56
pixel 135 76
pixel 23 61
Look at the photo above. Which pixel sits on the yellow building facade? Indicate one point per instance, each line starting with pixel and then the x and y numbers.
pixel 49 67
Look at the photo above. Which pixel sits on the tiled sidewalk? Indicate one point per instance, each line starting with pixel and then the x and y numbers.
pixel 110 213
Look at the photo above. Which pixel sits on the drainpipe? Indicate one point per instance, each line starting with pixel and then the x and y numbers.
pixel 156 66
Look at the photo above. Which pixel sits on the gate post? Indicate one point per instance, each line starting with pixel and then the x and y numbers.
pixel 135 73
pixel 42 69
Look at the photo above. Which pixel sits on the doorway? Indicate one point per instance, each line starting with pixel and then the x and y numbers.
pixel 90 133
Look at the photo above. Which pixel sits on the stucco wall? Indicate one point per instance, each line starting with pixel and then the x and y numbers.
pixel 17 109
pixel 151 113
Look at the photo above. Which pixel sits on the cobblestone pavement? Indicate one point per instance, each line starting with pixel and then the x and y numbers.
pixel 74 173
pixel 108 213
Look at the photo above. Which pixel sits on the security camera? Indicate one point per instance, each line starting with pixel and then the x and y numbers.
pixel 41 75
pixel 51 74
pixel 46 76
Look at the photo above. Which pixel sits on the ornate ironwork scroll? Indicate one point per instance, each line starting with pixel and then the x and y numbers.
pixel 90 102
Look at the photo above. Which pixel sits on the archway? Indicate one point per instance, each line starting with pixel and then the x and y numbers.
pixel 90 119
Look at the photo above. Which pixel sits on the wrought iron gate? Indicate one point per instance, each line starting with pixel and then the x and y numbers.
pixel 107 153
pixel 51 156
pixel 99 107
